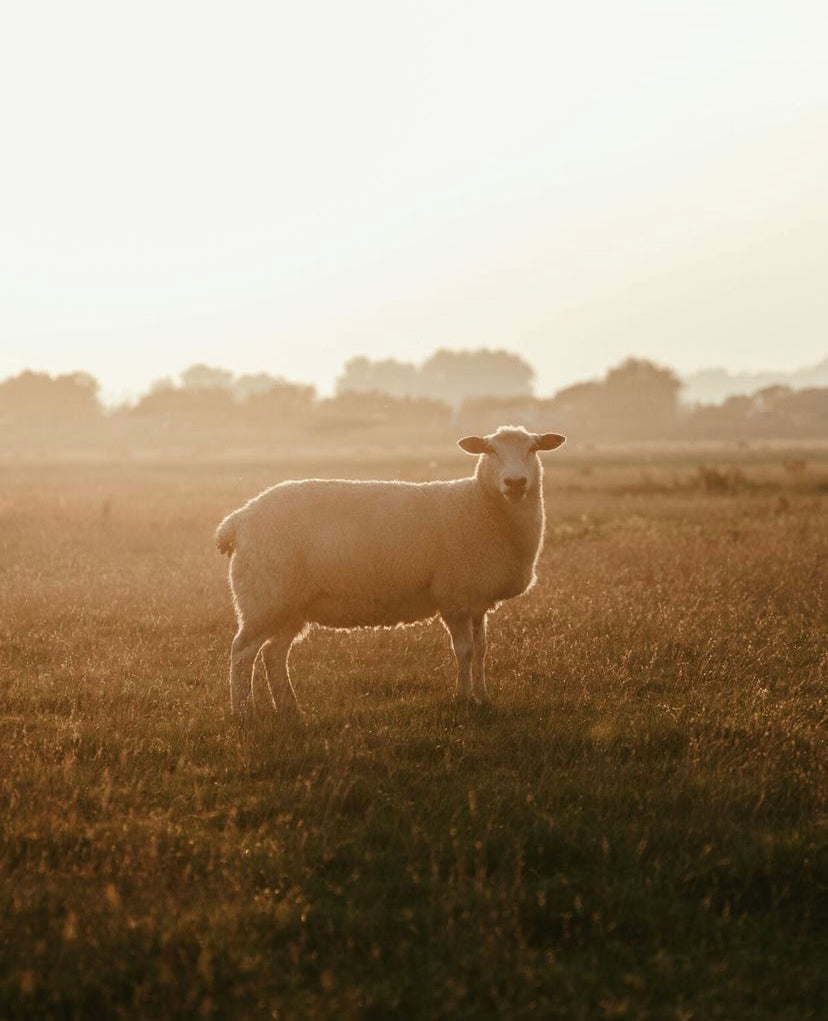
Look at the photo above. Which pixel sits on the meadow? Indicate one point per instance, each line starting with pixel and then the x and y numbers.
pixel 635 829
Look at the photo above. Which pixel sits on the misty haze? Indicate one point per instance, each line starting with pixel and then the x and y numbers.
pixel 413 511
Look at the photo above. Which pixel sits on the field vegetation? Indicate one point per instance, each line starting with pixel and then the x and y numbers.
pixel 636 829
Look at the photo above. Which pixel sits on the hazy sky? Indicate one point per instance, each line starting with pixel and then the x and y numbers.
pixel 277 186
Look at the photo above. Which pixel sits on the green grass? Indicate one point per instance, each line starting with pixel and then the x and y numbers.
pixel 637 829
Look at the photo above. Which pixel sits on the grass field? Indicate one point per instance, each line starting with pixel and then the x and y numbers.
pixel 637 829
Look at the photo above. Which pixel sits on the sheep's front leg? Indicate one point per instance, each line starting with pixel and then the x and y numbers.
pixel 460 629
pixel 481 692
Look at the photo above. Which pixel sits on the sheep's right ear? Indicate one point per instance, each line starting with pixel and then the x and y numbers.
pixel 473 445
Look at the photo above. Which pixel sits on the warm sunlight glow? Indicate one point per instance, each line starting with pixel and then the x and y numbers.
pixel 413 509
pixel 278 187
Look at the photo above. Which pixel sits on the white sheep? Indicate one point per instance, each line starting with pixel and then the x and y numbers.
pixel 345 554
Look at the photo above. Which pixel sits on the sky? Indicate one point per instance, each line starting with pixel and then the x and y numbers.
pixel 280 186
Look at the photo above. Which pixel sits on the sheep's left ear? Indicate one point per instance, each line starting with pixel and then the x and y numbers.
pixel 473 444
pixel 548 441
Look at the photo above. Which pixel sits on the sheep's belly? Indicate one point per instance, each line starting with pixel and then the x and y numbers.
pixel 356 609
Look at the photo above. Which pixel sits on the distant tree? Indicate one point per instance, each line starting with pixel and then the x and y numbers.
pixel 70 398
pixel 636 400
pixel 641 399
pixel 579 400
pixel 485 414
pixel 254 383
pixel 451 377
pixel 729 420
pixel 579 410
pixel 779 411
pixel 354 412
pixel 399 379
pixel 770 397
pixel 194 405
pixel 807 410
pixel 417 412
pixel 768 415
pixel 774 412
pixel 352 409
pixel 281 403
pixel 356 377
pixel 206 377
pixel 458 376
pixel 361 375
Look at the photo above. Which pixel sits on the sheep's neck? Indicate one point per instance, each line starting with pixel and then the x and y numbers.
pixel 522 523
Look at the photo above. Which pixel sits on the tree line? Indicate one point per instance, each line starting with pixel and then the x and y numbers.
pixel 468 390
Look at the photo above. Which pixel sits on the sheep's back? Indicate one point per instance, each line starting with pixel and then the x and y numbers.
pixel 355 552
pixel 344 553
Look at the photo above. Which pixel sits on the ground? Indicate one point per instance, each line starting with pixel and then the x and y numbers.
pixel 636 829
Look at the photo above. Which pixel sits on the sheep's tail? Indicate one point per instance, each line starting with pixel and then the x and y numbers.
pixel 226 534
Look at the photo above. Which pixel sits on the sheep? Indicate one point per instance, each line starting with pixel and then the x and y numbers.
pixel 345 554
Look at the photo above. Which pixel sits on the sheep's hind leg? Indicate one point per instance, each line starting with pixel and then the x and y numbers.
pixel 480 691
pixel 460 629
pixel 243 654
pixel 275 655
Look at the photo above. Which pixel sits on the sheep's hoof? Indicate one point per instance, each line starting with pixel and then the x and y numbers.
pixel 482 706
pixel 289 711
pixel 468 698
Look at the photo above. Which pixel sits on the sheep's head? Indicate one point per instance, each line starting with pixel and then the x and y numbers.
pixel 508 463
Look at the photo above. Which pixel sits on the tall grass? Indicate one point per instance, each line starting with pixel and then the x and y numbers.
pixel 637 829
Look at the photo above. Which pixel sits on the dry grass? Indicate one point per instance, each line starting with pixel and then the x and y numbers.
pixel 636 830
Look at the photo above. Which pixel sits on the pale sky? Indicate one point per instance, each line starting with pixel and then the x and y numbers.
pixel 279 186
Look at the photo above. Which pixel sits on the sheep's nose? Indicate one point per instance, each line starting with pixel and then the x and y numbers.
pixel 515 481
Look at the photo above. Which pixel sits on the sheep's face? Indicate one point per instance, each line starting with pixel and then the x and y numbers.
pixel 508 459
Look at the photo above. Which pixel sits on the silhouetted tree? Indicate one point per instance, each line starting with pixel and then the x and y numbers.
pixel 578 410
pixel 457 376
pixel 807 411
pixel 636 400
pixel 206 377
pixel 361 375
pixel 356 411
pixel 201 406
pixel 281 403
pixel 448 376
pixel 255 383
pixel 70 398
pixel 775 412
pixel 484 414
pixel 471 390
pixel 641 398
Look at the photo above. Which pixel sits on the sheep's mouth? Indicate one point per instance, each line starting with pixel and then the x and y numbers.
pixel 514 495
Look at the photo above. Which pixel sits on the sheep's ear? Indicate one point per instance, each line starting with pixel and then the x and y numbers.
pixel 548 441
pixel 473 445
